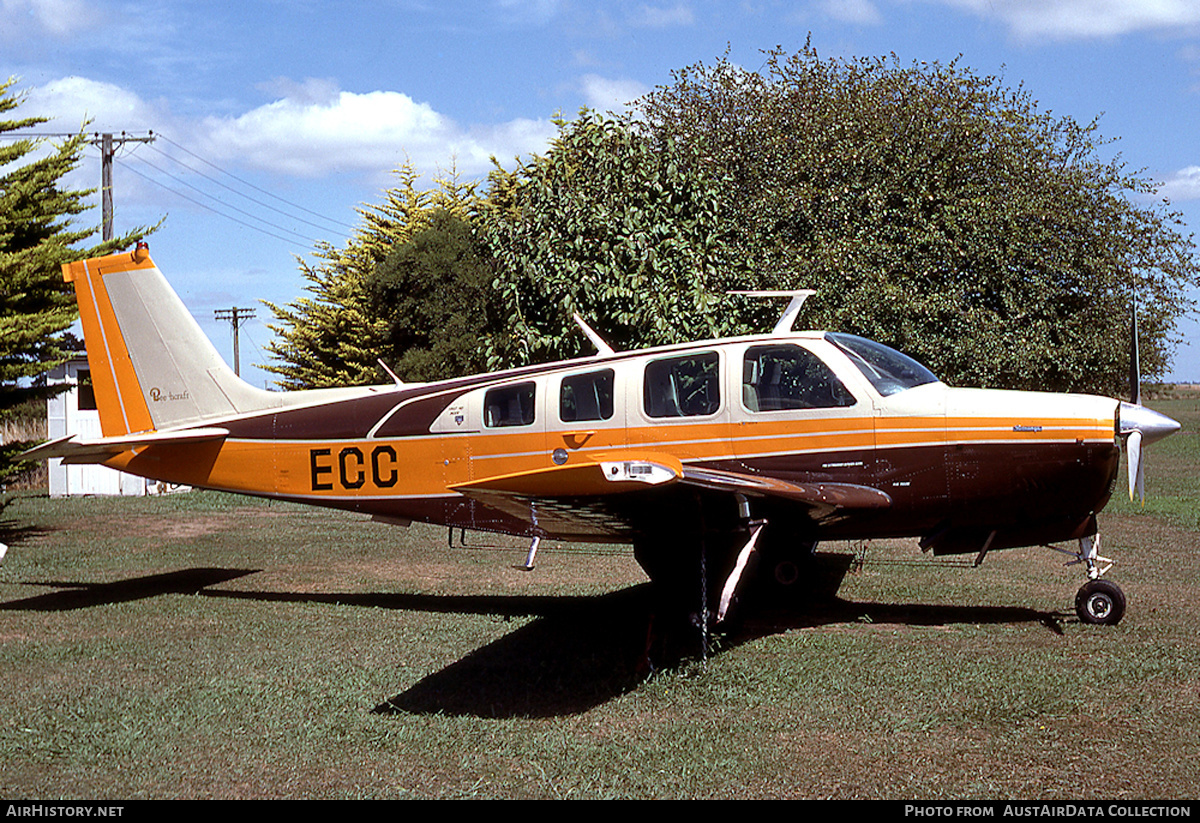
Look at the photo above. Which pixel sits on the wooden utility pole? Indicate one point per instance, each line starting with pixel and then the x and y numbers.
pixel 108 147
pixel 236 318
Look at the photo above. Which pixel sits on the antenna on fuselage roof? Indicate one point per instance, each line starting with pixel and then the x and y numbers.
pixel 391 373
pixel 784 326
pixel 603 348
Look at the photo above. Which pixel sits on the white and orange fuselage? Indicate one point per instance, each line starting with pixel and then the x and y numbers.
pixel 799 425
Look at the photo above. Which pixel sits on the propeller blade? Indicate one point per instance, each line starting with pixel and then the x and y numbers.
pixel 1135 366
pixel 1140 427
pixel 1137 475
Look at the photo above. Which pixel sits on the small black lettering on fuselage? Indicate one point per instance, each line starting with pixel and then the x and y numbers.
pixel 352 468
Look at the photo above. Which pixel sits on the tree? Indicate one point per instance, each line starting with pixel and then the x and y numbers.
pixel 607 225
pixel 334 337
pixel 937 211
pixel 36 237
pixel 433 296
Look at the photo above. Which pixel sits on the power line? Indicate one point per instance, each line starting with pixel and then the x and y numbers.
pixel 236 318
pixel 214 211
pixel 226 205
pixel 108 145
pixel 109 153
pixel 252 186
pixel 246 196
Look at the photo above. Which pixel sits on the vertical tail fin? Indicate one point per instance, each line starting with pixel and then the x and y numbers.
pixel 152 366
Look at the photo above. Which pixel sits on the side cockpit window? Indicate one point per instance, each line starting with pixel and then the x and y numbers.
pixel 586 397
pixel 509 406
pixel 779 377
pixel 686 386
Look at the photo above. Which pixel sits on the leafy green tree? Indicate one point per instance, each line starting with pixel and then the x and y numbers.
pixel 937 211
pixel 607 225
pixel 334 337
pixel 37 235
pixel 433 296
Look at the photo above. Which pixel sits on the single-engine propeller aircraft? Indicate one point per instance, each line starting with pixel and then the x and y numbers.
pixel 700 455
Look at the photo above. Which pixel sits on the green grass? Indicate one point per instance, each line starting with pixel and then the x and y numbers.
pixel 1172 470
pixel 209 646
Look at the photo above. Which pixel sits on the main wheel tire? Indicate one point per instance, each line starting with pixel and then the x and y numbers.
pixel 787 573
pixel 1100 603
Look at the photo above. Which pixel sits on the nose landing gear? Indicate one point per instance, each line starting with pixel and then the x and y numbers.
pixel 1098 602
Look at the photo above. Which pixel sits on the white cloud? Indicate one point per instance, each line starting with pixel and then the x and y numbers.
pixel 1071 19
pixel 347 131
pixel 71 101
pixel 312 130
pixel 36 18
pixel 660 17
pixel 604 94
pixel 304 138
pixel 1183 185
pixel 861 12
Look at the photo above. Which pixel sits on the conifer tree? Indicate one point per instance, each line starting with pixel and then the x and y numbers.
pixel 333 337
pixel 37 235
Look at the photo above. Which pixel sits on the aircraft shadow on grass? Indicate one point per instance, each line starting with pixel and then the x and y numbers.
pixel 578 651
pixel 83 595
pixel 14 532
pixel 570 662
pixel 582 651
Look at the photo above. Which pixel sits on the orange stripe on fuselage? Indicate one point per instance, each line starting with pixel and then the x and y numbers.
pixel 428 465
pixel 119 397
pixel 910 431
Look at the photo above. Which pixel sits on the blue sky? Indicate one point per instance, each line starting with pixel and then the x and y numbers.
pixel 314 103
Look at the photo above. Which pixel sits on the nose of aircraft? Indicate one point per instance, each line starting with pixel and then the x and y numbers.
pixel 1151 424
pixel 1141 426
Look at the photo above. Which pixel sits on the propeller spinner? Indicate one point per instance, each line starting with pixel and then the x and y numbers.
pixel 1140 427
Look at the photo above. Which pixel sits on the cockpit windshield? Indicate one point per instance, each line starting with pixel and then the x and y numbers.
pixel 889 371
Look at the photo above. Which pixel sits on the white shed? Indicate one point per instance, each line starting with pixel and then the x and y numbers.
pixel 74 412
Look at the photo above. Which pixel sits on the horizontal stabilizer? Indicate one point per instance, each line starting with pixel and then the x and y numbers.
pixel 72 450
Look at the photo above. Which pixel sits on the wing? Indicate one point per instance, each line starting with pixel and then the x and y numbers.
pixel 609 498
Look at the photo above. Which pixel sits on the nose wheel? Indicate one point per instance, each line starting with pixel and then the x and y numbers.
pixel 1100 602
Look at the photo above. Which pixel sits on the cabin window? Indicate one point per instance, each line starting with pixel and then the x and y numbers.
pixel 685 386
pixel 509 406
pixel 781 377
pixel 586 396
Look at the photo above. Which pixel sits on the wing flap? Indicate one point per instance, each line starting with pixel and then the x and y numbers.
pixel 831 496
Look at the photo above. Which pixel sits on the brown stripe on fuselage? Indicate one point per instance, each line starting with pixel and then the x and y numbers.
pixel 931 485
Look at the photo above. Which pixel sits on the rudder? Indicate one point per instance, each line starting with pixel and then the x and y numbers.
pixel 152 366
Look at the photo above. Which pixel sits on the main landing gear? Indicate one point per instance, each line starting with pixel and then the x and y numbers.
pixel 1098 602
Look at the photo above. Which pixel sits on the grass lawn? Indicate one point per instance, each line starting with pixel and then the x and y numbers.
pixel 208 646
